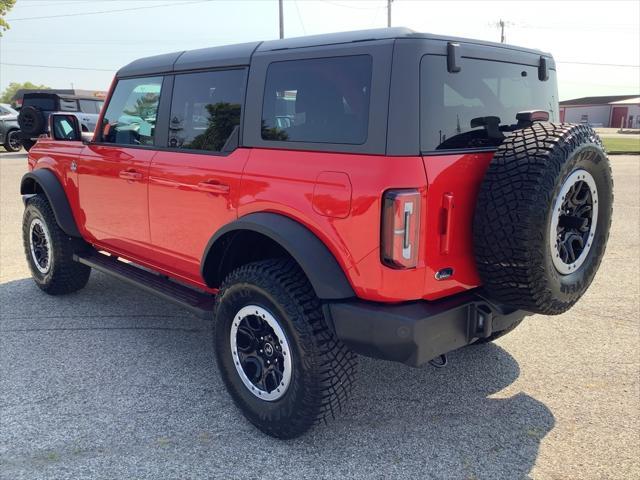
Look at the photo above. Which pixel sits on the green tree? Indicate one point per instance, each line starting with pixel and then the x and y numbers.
pixel 223 117
pixel 5 6
pixel 13 87
pixel 145 106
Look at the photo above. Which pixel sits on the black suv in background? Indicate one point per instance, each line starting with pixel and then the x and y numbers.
pixel 36 108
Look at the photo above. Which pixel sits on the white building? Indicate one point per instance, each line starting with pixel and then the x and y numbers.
pixel 611 111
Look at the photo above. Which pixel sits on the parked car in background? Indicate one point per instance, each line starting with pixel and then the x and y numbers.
pixel 36 108
pixel 9 128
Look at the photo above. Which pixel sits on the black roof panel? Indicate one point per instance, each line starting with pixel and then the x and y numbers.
pixel 225 56
pixel 149 65
pixel 240 54
pixel 334 38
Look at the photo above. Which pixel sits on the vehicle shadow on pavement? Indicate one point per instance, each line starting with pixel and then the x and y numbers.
pixel 112 382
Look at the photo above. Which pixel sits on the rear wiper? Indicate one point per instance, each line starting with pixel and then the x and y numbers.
pixel 525 119
pixel 491 125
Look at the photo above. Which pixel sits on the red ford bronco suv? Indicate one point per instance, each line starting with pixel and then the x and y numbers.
pixel 385 193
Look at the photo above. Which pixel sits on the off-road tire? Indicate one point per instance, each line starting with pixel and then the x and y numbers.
pixel 322 367
pixel 8 146
pixel 512 223
pixel 31 120
pixel 64 274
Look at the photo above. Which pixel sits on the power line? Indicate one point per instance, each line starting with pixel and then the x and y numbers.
pixel 58 4
pixel 80 14
pixel 60 67
pixel 304 30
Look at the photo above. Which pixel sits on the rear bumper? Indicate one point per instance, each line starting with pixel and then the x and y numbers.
pixel 416 332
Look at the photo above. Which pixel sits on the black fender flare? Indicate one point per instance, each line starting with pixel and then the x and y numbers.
pixel 47 181
pixel 319 265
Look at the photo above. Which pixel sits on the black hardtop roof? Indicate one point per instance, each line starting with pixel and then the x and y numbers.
pixel 240 54
pixel 66 96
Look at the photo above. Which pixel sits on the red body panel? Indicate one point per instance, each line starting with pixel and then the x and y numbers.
pixel 113 186
pixel 191 196
pixel 57 157
pixel 454 183
pixel 285 181
pixel 164 218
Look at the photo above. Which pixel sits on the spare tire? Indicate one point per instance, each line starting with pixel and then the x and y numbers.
pixel 543 216
pixel 31 120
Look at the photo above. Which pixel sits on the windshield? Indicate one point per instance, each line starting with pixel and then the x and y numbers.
pixel 7 110
pixel 450 101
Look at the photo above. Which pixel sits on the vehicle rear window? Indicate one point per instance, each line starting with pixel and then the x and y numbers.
pixel 43 103
pixel 90 106
pixel 205 109
pixel 130 118
pixel 322 100
pixel 449 101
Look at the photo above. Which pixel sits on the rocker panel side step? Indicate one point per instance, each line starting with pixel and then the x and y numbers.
pixel 200 303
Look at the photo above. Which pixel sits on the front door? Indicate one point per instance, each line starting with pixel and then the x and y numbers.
pixel 194 181
pixel 113 173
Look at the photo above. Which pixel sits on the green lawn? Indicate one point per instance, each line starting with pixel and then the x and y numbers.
pixel 616 144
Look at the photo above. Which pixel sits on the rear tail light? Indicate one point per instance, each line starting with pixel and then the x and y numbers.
pixel 400 228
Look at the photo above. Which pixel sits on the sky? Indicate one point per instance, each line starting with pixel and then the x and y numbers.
pixel 57 33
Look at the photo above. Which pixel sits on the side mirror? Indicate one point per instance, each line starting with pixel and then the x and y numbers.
pixel 64 127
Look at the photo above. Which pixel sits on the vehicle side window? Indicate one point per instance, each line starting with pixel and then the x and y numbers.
pixel 90 106
pixel 321 100
pixel 205 109
pixel 67 105
pixel 130 118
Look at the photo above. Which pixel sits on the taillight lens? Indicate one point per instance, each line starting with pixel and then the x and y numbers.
pixel 400 228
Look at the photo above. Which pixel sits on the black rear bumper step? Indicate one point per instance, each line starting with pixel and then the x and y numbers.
pixel 198 302
pixel 415 332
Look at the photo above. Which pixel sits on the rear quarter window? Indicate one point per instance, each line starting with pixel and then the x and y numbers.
pixel 450 101
pixel 90 106
pixel 67 105
pixel 320 100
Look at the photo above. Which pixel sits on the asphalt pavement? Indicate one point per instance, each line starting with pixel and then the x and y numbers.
pixel 112 382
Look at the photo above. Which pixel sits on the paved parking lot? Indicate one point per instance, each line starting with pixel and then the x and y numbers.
pixel 114 383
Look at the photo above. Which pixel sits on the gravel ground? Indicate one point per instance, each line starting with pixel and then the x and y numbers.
pixel 114 383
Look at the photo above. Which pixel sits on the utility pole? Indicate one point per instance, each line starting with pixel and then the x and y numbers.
pixel 501 25
pixel 281 11
pixel 389 2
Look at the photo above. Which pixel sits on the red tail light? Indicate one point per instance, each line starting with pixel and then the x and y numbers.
pixel 400 228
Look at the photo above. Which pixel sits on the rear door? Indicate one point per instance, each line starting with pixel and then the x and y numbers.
pixel 194 180
pixel 456 152
pixel 113 172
